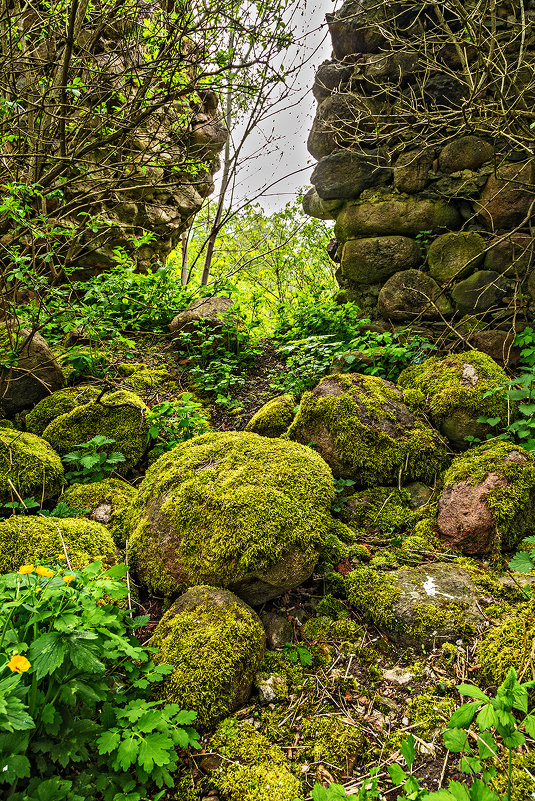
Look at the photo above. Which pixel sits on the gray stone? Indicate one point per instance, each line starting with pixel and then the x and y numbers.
pixel 331 76
pixel 479 292
pixel 420 494
pixel 412 293
pixel 395 67
pixel 314 206
pixel 506 200
pixel 454 255
pixel 411 171
pixel 372 260
pixel 35 373
pixel 404 216
pixel 345 173
pixel 278 630
pixel 399 676
pixel 271 687
pixel 206 310
pixel 352 29
pixel 465 153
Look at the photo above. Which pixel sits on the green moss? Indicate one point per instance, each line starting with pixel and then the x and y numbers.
pixel 125 421
pixel 444 392
pixel 215 651
pixel 278 663
pixel 511 506
pixel 424 536
pixel 332 607
pixel 25 540
pixel 252 769
pixel 332 553
pixel 227 506
pixel 522 777
pixel 61 402
pixel 146 380
pixel 274 418
pixel 430 617
pixel 385 557
pixel 29 464
pixel 373 593
pixel 510 644
pixel 383 509
pixel 117 494
pixel 331 740
pixel 324 629
pixel 429 712
pixel 346 427
pixel 360 552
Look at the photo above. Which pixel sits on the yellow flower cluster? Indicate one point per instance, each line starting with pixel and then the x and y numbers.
pixel 45 572
pixel 18 664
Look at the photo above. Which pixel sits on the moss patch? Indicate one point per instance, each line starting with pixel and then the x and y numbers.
pixel 381 509
pixel 125 421
pixel 215 651
pixel 332 741
pixel 30 464
pixel 253 769
pixel 274 418
pixel 428 712
pixel 373 593
pixel 112 493
pixel 509 644
pixel 225 507
pixel 61 402
pixel 364 431
pixel 511 506
pixel 25 540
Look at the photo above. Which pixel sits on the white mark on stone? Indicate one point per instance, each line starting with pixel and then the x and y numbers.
pixel 431 588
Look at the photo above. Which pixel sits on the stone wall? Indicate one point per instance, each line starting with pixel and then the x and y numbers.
pixel 424 145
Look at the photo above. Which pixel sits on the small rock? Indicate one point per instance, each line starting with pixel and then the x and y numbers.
pixel 271 687
pixel 398 676
pixel 278 630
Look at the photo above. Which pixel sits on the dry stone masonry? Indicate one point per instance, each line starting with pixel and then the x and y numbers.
pixel 423 136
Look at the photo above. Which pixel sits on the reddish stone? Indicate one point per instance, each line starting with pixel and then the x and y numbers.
pixel 507 197
pixel 465 521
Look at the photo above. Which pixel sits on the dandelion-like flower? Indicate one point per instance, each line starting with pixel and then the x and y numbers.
pixel 68 579
pixel 24 570
pixel 44 571
pixel 19 664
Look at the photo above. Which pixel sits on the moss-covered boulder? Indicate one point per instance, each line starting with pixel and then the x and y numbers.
pixel 121 416
pixel 25 540
pixel 61 402
pixel 250 768
pixel 456 391
pixel 215 643
pixel 29 466
pixel 330 739
pixel 381 509
pixel 430 604
pixel 274 418
pixel 105 502
pixel 234 510
pixel 143 379
pixel 361 427
pixel 488 501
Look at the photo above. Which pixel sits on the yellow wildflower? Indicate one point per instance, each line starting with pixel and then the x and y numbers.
pixel 44 571
pixel 18 664
pixel 68 579
pixel 25 569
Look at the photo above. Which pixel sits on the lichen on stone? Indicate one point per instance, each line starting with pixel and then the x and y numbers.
pixel 228 508
pixel 363 430
pixel 109 499
pixel 215 649
pixel 121 416
pixel 25 540
pixel 29 467
pixel 274 418
pixel 253 769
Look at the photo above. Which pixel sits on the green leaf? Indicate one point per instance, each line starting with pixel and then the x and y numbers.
pixel 521 562
pixel 487 718
pixel 154 750
pixel 108 741
pixel 514 740
pixel 459 791
pixel 486 745
pixel 408 750
pixel 397 774
pixel 47 653
pixel 83 657
pixel 456 740
pixel 472 692
pixel 13 767
pixel 529 723
pixel 127 753
pixel 469 765
pixel 463 716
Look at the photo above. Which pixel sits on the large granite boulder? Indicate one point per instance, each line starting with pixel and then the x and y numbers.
pixel 396 214
pixel 376 258
pixel 456 391
pixel 214 642
pixel 235 510
pixel 29 467
pixel 34 372
pixel 488 501
pixel 361 427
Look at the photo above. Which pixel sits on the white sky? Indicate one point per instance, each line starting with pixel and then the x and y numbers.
pixel 277 153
